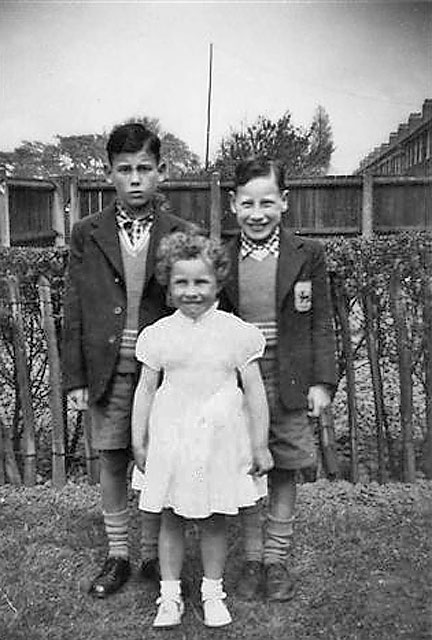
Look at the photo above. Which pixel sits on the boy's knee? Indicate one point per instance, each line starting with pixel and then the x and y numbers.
pixel 114 461
pixel 282 476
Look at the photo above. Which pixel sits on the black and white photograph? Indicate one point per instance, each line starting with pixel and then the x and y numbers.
pixel 215 320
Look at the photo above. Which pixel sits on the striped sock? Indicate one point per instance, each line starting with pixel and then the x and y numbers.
pixel 116 527
pixel 279 533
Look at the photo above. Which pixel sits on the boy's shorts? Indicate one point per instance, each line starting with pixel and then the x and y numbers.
pixel 111 418
pixel 292 440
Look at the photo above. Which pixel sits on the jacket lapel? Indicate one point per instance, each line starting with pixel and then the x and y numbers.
pixel 291 259
pixel 106 237
pixel 231 287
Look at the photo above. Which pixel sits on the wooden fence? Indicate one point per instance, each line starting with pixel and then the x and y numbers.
pixel 38 213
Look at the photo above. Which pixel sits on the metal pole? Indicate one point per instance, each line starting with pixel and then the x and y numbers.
pixel 209 106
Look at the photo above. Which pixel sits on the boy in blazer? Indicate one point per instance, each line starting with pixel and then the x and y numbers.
pixel 279 283
pixel 111 295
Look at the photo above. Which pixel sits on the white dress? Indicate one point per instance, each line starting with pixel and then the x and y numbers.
pixel 199 448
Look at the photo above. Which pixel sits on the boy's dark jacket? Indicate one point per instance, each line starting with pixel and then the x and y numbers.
pixel 95 300
pixel 306 342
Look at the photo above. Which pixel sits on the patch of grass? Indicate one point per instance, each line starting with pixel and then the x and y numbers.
pixel 362 557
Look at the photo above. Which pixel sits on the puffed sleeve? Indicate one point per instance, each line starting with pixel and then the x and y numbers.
pixel 251 345
pixel 148 347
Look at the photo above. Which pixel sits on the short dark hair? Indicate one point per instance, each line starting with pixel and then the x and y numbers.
pixel 258 167
pixel 190 245
pixel 130 138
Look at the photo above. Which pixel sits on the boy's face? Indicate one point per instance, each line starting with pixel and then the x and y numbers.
pixel 258 206
pixel 135 177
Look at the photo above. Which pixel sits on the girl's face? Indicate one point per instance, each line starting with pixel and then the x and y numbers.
pixel 193 287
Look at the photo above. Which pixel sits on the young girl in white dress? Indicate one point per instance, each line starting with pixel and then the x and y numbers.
pixel 199 437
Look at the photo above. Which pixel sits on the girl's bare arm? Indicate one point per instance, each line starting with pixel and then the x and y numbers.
pixel 258 414
pixel 143 400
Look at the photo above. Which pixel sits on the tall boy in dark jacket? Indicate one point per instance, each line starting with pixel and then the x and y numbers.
pixel 279 283
pixel 111 295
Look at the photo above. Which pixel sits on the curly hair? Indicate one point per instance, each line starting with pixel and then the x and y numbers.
pixel 190 245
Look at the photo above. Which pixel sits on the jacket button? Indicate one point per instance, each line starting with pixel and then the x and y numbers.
pixel 111 339
pixel 116 279
pixel 118 310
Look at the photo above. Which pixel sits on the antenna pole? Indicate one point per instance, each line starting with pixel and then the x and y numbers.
pixel 209 105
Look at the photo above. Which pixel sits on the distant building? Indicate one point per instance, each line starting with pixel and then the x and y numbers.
pixel 408 151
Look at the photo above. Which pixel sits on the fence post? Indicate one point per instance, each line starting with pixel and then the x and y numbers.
pixel 5 239
pixel 58 215
pixel 74 203
pixel 56 399
pixel 10 469
pixel 405 379
pixel 341 301
pixel 215 207
pixel 367 206
pixel 377 385
pixel 2 456
pixel 23 378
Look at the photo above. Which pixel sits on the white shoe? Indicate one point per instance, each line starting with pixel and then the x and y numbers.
pixel 216 613
pixel 169 612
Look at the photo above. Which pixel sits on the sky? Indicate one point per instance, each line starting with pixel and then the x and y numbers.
pixel 82 67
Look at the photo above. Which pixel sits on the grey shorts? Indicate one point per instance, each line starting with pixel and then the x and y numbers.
pixel 292 440
pixel 111 418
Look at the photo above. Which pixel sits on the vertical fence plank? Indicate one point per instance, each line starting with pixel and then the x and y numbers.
pixel 427 319
pixel 377 385
pixel 23 380
pixel 56 399
pixel 342 308
pixel 405 378
pixel 215 207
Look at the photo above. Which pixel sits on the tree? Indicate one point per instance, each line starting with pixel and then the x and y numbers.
pixel 85 156
pixel 300 151
pixel 321 143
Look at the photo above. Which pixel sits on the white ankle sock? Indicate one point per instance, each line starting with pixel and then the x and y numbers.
pixel 170 589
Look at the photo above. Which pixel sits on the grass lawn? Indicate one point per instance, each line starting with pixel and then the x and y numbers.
pixel 362 557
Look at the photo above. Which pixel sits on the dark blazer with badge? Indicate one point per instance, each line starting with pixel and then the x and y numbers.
pixel 95 300
pixel 306 341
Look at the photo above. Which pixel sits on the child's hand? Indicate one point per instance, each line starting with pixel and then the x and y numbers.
pixel 262 462
pixel 140 457
pixel 319 398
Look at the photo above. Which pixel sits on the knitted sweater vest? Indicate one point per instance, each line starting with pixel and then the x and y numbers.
pixel 134 266
pixel 257 294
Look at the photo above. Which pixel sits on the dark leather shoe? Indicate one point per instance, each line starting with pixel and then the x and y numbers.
pixel 279 585
pixel 114 574
pixel 250 582
pixel 150 570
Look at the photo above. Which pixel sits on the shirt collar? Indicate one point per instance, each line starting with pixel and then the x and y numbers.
pixel 260 250
pixel 123 217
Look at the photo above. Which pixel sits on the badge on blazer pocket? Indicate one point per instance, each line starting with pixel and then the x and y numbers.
pixel 303 296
